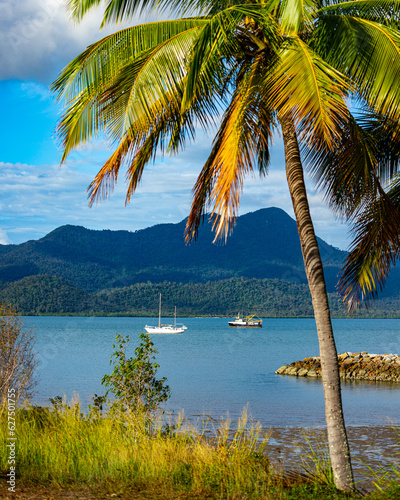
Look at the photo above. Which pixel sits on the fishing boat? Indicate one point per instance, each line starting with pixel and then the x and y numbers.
pixel 175 328
pixel 246 322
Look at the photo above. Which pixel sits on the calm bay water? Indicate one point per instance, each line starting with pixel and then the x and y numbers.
pixel 213 369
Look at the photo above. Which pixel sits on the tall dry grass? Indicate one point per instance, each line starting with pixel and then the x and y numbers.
pixel 64 446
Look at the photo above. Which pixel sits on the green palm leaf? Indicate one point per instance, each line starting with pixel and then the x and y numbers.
pixel 348 173
pixel 113 64
pixel 115 10
pixel 101 60
pixel 375 249
pixel 295 15
pixel 367 51
pixel 301 83
pixel 118 10
pixel 383 11
pixel 219 44
pixel 243 136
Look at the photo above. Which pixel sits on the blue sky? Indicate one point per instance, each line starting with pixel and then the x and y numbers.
pixel 37 40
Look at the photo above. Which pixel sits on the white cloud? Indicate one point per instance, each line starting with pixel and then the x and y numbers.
pixel 4 239
pixel 37 38
pixel 38 198
pixel 36 90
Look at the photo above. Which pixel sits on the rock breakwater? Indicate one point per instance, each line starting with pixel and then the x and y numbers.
pixel 352 366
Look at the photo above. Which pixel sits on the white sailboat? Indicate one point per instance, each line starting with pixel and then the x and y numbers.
pixel 175 328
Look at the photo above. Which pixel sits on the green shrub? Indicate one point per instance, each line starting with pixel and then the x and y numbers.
pixel 133 380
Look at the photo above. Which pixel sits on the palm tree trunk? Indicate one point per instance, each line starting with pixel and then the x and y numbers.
pixel 337 437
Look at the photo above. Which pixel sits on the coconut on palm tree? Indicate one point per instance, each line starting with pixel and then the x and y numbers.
pixel 252 68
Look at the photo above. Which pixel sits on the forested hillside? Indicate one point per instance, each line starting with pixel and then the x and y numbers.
pixel 264 244
pixel 49 295
pixel 74 270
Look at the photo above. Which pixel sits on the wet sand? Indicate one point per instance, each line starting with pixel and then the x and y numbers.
pixel 376 448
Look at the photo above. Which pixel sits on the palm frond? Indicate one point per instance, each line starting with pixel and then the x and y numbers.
pixel 140 160
pixel 78 8
pixel 149 89
pixel 106 178
pixel 375 249
pixel 351 177
pixel 385 133
pixel 301 83
pixel 130 61
pixel 99 63
pixel 385 12
pixel 136 150
pixel 214 46
pixel 117 11
pixel 295 14
pixel 234 154
pixel 367 51
pixel 144 136
pixel 347 174
pixel 231 34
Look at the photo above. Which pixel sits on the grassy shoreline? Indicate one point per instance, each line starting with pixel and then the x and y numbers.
pixel 62 451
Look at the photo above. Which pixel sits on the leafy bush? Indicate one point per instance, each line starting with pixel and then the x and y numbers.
pixel 133 380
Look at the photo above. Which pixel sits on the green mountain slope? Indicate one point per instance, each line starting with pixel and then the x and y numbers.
pixel 259 270
pixel 264 244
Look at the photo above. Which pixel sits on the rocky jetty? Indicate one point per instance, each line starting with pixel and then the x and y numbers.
pixel 352 366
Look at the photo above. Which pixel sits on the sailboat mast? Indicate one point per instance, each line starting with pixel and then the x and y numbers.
pixel 175 318
pixel 159 313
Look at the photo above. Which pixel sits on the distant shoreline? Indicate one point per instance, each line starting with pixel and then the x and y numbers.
pixel 129 315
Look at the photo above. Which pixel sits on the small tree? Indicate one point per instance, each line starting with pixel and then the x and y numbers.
pixel 17 357
pixel 133 381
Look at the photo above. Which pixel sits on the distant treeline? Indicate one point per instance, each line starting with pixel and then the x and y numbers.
pixel 49 295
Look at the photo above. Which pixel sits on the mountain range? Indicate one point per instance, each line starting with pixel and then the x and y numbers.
pixel 79 270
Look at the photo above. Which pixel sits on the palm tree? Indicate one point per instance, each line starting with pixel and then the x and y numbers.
pixel 261 66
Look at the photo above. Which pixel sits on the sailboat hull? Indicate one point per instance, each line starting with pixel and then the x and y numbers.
pixel 165 329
